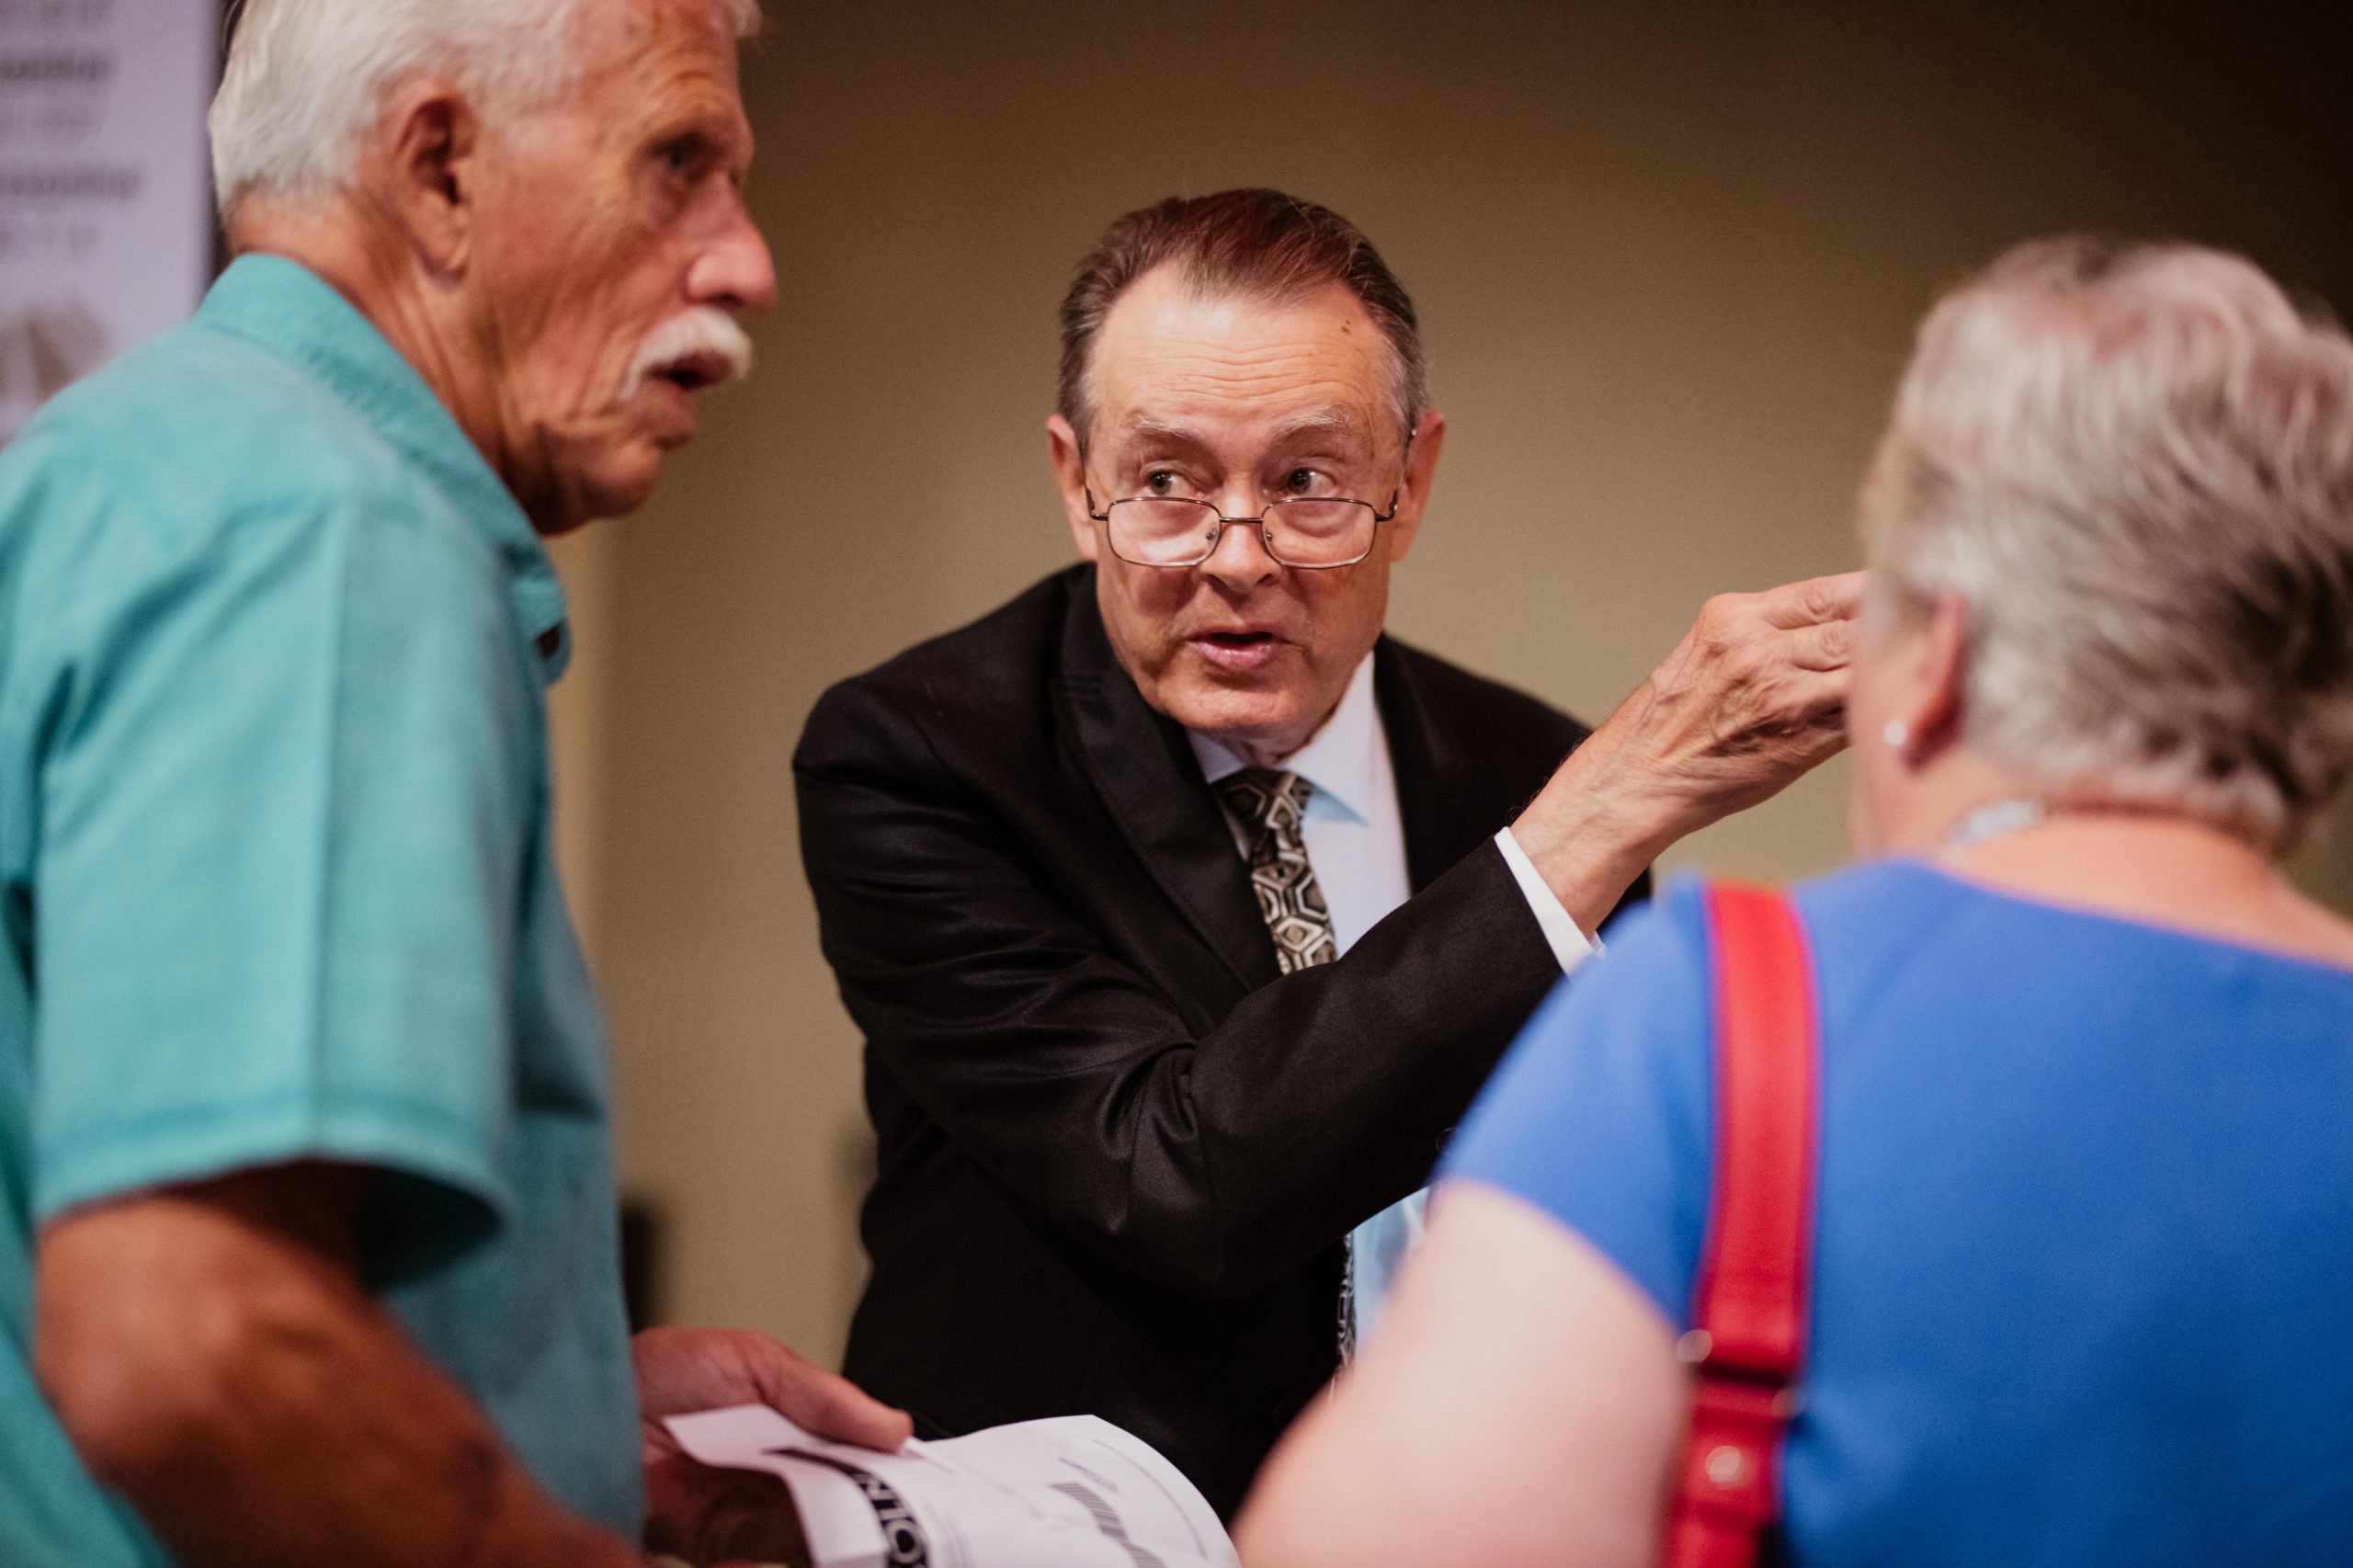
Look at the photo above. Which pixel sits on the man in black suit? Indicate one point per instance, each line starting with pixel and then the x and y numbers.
pixel 1139 1083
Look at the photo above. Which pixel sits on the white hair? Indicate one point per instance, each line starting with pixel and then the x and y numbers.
pixel 307 79
pixel 2134 466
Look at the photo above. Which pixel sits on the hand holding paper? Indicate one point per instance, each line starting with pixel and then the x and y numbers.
pixel 710 1516
pixel 1072 1492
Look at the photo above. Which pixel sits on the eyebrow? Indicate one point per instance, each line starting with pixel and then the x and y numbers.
pixel 1146 427
pixel 1337 420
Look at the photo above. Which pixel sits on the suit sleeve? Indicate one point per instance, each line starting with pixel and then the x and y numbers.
pixel 1213 1163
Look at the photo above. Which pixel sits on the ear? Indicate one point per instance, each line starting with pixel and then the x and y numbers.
pixel 1414 491
pixel 1936 684
pixel 1069 478
pixel 426 169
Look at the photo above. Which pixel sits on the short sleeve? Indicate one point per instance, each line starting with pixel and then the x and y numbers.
pixel 282 791
pixel 1598 1115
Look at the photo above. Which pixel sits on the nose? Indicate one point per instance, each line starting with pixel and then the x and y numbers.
pixel 1240 562
pixel 734 272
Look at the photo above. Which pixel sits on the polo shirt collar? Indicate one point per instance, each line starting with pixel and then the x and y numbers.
pixel 283 307
pixel 1342 759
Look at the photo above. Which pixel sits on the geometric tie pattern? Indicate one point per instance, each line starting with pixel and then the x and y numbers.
pixel 1270 806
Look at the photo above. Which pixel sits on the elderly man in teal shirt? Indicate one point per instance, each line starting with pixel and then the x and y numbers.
pixel 307 1242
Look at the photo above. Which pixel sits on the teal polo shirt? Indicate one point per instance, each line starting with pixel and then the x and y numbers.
pixel 276 873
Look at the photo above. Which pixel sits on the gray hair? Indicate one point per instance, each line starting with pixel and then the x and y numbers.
pixel 2133 464
pixel 306 79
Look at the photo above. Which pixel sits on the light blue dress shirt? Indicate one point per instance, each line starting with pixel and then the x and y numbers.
pixel 277 866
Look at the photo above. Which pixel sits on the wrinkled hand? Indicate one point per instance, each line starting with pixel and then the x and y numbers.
pixel 713 1515
pixel 1753 696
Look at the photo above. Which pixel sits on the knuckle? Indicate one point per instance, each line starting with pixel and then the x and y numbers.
pixel 1719 626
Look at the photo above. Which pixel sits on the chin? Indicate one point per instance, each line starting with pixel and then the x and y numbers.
pixel 1219 709
pixel 617 486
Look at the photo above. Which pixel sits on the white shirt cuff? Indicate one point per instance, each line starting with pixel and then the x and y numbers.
pixel 1569 944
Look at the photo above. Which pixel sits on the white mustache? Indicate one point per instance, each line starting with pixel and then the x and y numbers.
pixel 693 333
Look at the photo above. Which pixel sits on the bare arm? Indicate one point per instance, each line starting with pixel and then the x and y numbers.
pixel 1753 696
pixel 213 1358
pixel 1520 1403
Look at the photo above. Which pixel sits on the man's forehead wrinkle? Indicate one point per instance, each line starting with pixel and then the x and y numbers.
pixel 1285 394
pixel 1329 419
pixel 1266 406
pixel 1228 365
pixel 615 38
pixel 631 44
pixel 1167 353
pixel 675 89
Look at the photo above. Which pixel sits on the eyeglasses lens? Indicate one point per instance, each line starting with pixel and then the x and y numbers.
pixel 1153 533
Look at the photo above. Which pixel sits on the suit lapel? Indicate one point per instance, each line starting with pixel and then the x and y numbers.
pixel 1144 768
pixel 1434 800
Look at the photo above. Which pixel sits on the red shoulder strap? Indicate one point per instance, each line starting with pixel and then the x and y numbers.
pixel 1749 1311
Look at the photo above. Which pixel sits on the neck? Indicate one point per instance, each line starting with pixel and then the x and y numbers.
pixel 1971 816
pixel 1270 748
pixel 2153 866
pixel 1261 752
pixel 2141 863
pixel 1917 818
pixel 2090 846
pixel 418 315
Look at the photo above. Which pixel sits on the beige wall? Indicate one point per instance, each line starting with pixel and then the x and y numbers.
pixel 1667 257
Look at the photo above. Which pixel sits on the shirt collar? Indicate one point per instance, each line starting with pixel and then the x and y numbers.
pixel 1342 759
pixel 286 309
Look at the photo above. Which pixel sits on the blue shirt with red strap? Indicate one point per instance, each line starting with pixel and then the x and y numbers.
pixel 2084 1245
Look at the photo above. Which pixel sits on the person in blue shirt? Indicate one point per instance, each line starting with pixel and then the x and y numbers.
pixel 307 1216
pixel 2084 1213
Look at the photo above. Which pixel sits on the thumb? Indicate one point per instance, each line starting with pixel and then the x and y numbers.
pixel 828 1405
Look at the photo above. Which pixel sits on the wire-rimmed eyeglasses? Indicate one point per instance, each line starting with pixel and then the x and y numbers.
pixel 1309 533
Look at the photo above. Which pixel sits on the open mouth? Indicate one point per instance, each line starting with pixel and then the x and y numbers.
pixel 1240 653
pixel 694 372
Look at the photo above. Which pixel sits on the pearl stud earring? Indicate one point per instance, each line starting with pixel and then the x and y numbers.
pixel 1898 734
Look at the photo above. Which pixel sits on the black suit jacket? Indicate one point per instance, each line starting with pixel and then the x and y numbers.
pixel 1117 1150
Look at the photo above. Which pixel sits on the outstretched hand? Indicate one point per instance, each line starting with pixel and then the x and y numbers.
pixel 716 1516
pixel 1753 696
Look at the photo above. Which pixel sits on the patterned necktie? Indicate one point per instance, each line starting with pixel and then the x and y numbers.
pixel 1270 806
